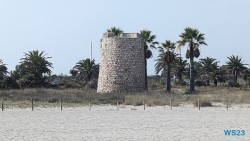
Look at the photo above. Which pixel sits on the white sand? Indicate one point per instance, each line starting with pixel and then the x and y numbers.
pixel 108 123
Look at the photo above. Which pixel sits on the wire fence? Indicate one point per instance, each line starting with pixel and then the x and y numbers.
pixel 61 104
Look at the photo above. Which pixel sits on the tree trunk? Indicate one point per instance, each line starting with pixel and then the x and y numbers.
pixel 179 75
pixel 235 77
pixel 192 89
pixel 215 82
pixel 208 82
pixel 168 84
pixel 146 75
pixel 89 77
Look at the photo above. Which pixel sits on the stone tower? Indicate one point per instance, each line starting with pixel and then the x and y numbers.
pixel 122 67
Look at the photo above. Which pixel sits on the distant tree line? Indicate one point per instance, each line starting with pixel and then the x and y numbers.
pixel 170 64
pixel 34 69
pixel 200 72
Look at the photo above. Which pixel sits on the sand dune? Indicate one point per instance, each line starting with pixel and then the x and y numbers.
pixel 109 123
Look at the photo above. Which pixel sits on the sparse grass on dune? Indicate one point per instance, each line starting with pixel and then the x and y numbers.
pixel 151 99
pixel 222 94
pixel 51 97
pixel 81 97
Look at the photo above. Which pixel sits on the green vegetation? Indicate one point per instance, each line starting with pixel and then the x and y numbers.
pixel 210 69
pixel 32 77
pixel 3 69
pixel 246 77
pixel 81 97
pixel 235 67
pixel 85 70
pixel 194 39
pixel 179 69
pixel 115 30
pixel 164 62
pixel 149 42
pixel 32 69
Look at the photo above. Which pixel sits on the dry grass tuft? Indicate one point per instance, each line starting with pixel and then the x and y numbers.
pixel 203 103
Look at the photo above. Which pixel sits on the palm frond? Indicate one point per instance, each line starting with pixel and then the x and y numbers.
pixel 115 30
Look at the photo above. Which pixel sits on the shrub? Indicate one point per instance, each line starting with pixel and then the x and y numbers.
pixel 92 84
pixel 156 86
pixel 8 83
pixel 233 84
pixel 153 86
pixel 180 83
pixel 53 100
pixel 187 91
pixel 200 83
pixel 203 103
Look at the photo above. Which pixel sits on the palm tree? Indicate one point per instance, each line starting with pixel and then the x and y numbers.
pixel 235 66
pixel 179 68
pixel 116 31
pixel 3 69
pixel 164 61
pixel 210 68
pixel 207 63
pixel 86 69
pixel 148 41
pixel 34 66
pixel 193 38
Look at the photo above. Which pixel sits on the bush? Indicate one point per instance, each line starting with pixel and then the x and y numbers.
pixel 9 83
pixel 182 83
pixel 92 84
pixel 203 103
pixel 53 100
pixel 156 86
pixel 187 91
pixel 153 86
pixel 206 104
pixel 200 83
pixel 233 84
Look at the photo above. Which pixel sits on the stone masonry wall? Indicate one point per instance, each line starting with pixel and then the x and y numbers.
pixel 122 63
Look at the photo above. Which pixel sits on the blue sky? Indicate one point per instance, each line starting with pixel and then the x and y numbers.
pixel 65 28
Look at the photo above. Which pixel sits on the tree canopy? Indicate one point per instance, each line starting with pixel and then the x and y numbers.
pixel 3 69
pixel 235 66
pixel 86 69
pixel 193 38
pixel 164 61
pixel 33 68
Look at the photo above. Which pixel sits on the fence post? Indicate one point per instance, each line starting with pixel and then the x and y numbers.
pixel 32 104
pixel 117 104
pixel 199 103
pixel 2 105
pixel 144 104
pixel 61 103
pixel 89 104
pixel 170 103
pixel 227 104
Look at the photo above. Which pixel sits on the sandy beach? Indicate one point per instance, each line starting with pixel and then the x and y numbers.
pixel 124 123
